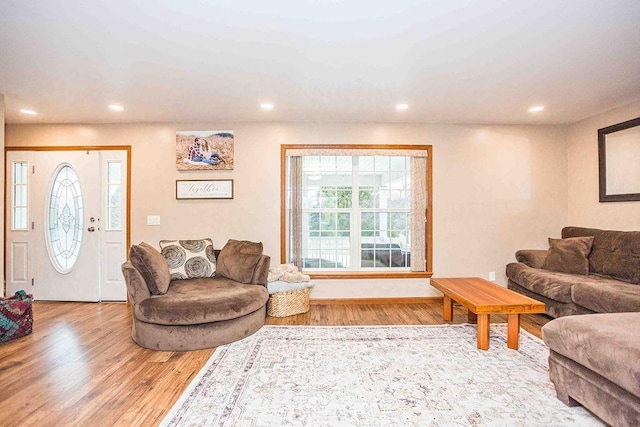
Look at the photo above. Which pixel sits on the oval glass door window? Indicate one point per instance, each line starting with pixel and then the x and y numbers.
pixel 64 219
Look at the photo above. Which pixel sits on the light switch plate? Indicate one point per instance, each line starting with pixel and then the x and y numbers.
pixel 153 219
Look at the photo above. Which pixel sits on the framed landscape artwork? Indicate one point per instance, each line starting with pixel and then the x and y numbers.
pixel 204 150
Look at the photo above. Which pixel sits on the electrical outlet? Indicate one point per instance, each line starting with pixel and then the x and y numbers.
pixel 492 276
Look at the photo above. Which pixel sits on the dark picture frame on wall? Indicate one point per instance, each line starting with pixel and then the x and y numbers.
pixel 618 162
pixel 197 189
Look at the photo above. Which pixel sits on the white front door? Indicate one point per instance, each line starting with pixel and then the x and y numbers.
pixel 66 229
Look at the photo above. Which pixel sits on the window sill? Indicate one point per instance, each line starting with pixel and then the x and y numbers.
pixel 371 275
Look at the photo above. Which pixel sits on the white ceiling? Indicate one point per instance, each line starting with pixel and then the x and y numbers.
pixel 452 61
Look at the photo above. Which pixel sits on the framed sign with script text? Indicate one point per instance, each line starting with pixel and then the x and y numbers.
pixel 204 189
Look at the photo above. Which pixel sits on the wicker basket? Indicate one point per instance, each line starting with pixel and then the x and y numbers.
pixel 288 303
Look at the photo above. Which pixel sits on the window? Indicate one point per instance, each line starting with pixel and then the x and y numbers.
pixel 114 195
pixel 19 196
pixel 64 218
pixel 356 210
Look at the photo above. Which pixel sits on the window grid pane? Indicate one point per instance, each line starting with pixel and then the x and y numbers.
pixel 385 239
pixel 19 218
pixel 326 217
pixel 20 196
pixel 114 196
pixel 381 185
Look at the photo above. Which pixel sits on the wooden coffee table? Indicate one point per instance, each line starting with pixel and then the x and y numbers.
pixel 483 298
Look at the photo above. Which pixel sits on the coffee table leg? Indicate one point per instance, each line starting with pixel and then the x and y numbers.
pixel 513 330
pixel 472 317
pixel 483 331
pixel 447 313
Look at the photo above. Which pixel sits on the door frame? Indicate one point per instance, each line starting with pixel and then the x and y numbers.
pixel 126 148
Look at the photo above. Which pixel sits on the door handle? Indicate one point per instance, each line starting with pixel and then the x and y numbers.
pixel 91 229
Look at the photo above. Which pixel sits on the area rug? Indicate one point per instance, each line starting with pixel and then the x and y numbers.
pixel 375 376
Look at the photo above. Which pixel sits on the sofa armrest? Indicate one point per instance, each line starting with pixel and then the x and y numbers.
pixel 261 272
pixel 534 258
pixel 136 286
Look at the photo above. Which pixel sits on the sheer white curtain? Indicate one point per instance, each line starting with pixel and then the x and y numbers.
pixel 418 213
pixel 295 211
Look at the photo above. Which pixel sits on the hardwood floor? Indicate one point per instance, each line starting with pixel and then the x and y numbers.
pixel 80 366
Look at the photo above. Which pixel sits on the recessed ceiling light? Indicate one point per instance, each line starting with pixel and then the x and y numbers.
pixel 536 109
pixel 29 112
pixel 402 107
pixel 266 106
pixel 116 107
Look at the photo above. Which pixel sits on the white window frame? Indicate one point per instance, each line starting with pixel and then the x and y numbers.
pixel 108 205
pixel 14 205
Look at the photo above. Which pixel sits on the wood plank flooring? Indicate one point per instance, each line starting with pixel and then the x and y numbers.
pixel 80 366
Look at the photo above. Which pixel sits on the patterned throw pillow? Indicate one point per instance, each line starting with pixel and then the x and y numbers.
pixel 189 259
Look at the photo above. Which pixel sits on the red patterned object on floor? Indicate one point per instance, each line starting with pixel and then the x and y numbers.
pixel 16 316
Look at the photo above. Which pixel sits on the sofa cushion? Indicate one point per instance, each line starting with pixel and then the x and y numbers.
pixel 552 307
pixel 238 260
pixel 202 300
pixel 556 286
pixel 569 255
pixel 189 259
pixel 607 344
pixel 614 253
pixel 607 296
pixel 152 267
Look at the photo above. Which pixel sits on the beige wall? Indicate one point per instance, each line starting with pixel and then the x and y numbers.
pixel 496 188
pixel 584 207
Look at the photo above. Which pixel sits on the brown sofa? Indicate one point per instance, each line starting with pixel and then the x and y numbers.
pixel 594 360
pixel 178 314
pixel 608 267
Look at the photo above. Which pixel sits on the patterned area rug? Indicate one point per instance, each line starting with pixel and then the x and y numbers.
pixel 375 376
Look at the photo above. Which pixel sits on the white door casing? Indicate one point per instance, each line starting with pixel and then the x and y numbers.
pixel 95 275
